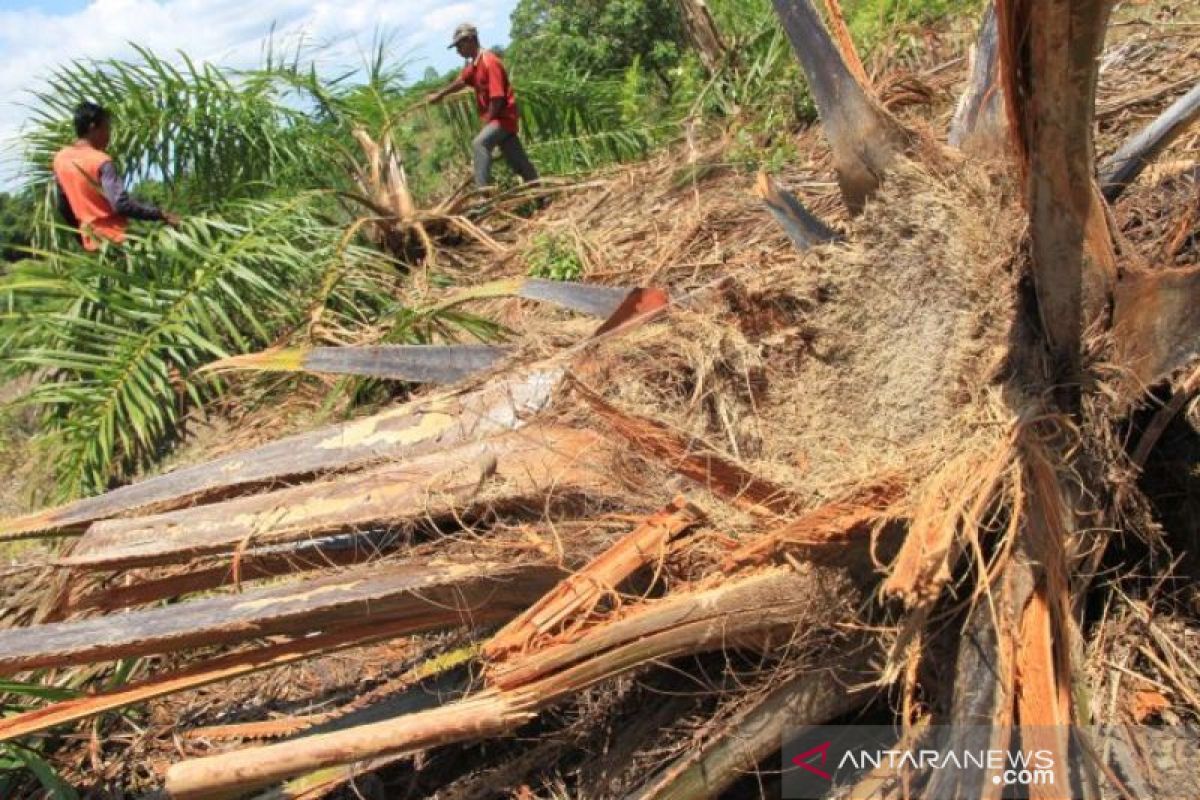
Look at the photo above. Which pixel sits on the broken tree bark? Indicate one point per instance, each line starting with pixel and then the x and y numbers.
pixel 531 463
pixel 579 593
pixel 409 430
pixel 804 229
pixel 1049 65
pixel 1123 167
pixel 677 626
pixel 865 139
pixel 980 124
pixel 427 596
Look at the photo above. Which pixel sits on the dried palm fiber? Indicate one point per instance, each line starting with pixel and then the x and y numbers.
pixel 825 374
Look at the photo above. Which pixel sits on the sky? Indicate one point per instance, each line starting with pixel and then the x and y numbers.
pixel 36 35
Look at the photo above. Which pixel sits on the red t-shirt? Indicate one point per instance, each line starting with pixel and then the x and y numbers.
pixel 487 76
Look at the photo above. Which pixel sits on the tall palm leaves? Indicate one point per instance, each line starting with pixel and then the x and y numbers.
pixel 205 133
pixel 116 337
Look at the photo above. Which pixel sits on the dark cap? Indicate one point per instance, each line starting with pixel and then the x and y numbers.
pixel 464 31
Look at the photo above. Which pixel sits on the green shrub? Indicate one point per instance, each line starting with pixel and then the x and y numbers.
pixel 555 257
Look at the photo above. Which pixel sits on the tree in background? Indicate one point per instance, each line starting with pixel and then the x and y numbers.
pixel 595 36
pixel 16 223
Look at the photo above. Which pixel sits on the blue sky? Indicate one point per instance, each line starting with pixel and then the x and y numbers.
pixel 35 35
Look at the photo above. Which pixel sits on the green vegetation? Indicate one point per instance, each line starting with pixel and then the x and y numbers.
pixel 23 770
pixel 16 221
pixel 260 164
pixel 555 257
pixel 595 37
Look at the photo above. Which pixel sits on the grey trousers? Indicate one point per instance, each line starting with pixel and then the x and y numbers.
pixel 491 137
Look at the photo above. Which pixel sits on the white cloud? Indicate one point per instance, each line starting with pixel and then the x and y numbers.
pixel 227 32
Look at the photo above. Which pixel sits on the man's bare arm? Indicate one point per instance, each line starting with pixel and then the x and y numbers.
pixel 456 85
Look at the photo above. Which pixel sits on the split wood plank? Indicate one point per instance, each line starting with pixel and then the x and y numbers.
pixel 413 429
pixel 429 595
pixel 530 463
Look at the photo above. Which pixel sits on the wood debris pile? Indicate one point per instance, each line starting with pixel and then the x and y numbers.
pixel 771 465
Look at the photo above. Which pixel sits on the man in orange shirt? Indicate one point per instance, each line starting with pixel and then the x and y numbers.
pixel 91 195
pixel 485 74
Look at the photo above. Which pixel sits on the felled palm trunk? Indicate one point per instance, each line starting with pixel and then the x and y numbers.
pixel 864 138
pixel 775 601
pixel 428 595
pixel 412 429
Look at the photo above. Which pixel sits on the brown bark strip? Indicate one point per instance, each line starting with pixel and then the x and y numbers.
pixel 1156 326
pixel 841 35
pixel 1043 700
pixel 639 306
pixel 951 502
pixel 714 472
pixel 578 594
pixel 213 671
pixel 835 523
pixel 427 596
pixel 679 626
pixel 1049 53
pixel 410 430
pixel 527 463
pixel 254 566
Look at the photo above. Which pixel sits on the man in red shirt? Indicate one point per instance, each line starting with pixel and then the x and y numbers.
pixel 485 74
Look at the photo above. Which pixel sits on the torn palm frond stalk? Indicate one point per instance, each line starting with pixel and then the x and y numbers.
pixel 532 464
pixel 864 138
pixel 1123 167
pixel 772 602
pixel 573 600
pixel 804 229
pixel 412 429
pixel 411 597
pixel 437 364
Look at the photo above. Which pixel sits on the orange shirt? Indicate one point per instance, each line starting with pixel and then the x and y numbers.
pixel 77 169
pixel 487 76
